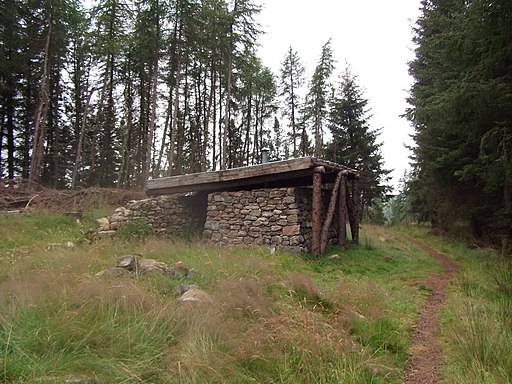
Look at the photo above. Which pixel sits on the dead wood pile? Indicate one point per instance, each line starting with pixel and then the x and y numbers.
pixel 60 201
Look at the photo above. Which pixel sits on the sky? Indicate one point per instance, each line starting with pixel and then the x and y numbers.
pixel 374 37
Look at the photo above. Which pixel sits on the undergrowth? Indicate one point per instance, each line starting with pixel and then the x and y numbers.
pixel 275 317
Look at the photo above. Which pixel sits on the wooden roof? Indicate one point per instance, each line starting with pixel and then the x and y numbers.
pixel 285 173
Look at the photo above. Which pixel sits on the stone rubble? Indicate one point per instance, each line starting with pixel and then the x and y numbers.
pixel 128 265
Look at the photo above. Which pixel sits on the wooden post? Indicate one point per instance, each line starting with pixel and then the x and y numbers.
pixel 357 210
pixel 342 213
pixel 353 210
pixel 330 213
pixel 316 211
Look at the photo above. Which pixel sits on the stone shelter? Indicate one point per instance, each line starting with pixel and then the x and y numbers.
pixel 297 204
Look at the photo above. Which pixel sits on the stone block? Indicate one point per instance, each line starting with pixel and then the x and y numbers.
pixel 296 240
pixel 291 230
pixel 292 219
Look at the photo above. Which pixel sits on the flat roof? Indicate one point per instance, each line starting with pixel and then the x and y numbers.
pixel 285 173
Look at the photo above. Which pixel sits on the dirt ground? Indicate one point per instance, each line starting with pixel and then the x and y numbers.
pixel 425 354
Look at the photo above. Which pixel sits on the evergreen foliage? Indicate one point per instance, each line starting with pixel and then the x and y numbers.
pixel 317 97
pixel 292 79
pixel 461 110
pixel 354 143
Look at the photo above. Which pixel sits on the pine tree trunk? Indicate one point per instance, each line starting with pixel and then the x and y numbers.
pixel 174 127
pixel 40 116
pixel 294 128
pixel 152 122
pixel 78 155
pixel 124 174
pixel 213 81
pixel 96 127
pixel 158 167
pixel 226 113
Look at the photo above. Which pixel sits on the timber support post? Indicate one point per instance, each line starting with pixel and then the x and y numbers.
pixel 342 213
pixel 316 211
pixel 330 212
pixel 353 209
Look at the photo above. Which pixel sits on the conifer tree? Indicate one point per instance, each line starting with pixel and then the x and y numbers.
pixel 317 97
pixel 291 80
pixel 460 109
pixel 354 143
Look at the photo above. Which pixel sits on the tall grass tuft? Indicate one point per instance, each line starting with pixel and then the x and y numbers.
pixel 503 277
pixel 482 342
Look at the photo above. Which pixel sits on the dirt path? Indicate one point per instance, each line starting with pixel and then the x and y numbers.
pixel 425 354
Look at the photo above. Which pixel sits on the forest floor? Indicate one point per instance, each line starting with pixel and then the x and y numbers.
pixel 425 353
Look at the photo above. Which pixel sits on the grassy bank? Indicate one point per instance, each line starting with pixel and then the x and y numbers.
pixel 276 318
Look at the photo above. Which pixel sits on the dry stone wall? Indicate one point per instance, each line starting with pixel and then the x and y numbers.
pixel 278 217
pixel 178 215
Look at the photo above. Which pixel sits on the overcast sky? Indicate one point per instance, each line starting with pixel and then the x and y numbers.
pixel 372 36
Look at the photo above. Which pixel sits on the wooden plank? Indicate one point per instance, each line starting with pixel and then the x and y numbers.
pixel 204 178
pixel 330 213
pixel 316 211
pixel 294 178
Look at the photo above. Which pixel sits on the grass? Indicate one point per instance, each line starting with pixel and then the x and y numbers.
pixel 276 318
pixel 476 320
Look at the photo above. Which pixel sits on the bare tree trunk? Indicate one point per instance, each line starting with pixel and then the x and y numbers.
pixel 226 114
pixel 158 167
pixel 294 128
pixel 152 122
pixel 40 115
pixel 172 139
pixel 95 124
pixel 213 81
pixel 123 172
pixel 78 155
